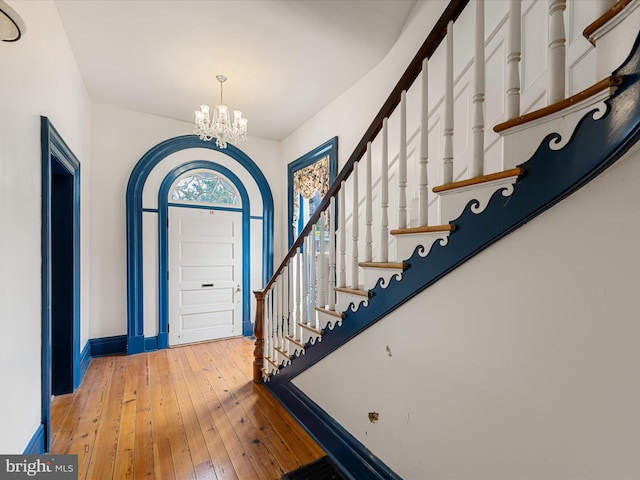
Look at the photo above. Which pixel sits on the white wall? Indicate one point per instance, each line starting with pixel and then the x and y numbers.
pixel 38 77
pixel 521 363
pixel 119 139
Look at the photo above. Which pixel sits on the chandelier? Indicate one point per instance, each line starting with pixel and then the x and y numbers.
pixel 221 126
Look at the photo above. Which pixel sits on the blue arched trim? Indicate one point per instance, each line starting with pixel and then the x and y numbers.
pixel 139 175
pixel 163 243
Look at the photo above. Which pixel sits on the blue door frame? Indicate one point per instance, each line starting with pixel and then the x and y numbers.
pixel 59 166
pixel 135 288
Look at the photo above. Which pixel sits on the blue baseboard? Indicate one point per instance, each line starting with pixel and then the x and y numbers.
pixel 150 344
pixel 85 360
pixel 108 345
pixel 163 340
pixel 36 444
pixel 134 344
pixel 353 458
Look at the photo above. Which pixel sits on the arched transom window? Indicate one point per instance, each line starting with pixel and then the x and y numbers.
pixel 204 187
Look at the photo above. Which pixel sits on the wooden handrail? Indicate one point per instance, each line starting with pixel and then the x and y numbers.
pixel 451 13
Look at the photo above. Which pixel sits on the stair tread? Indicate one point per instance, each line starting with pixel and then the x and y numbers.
pixel 333 313
pixel 283 352
pixel 353 291
pixel 273 364
pixel 312 329
pixel 294 341
pixel 480 180
pixel 608 82
pixel 449 227
pixel 394 265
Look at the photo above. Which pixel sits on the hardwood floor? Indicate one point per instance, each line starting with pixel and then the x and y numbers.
pixel 183 413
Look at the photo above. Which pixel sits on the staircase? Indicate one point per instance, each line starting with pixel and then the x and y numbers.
pixel 490 181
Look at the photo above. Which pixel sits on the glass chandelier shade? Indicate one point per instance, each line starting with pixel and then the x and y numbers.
pixel 220 125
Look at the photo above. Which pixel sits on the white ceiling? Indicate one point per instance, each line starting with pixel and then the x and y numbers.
pixel 284 59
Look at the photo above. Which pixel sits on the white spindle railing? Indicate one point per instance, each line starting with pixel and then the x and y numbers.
pixel 557 51
pixel 332 254
pixel 514 47
pixel 423 199
pixel 384 194
pixel 368 211
pixel 355 273
pixel 402 164
pixel 313 277
pixel 305 282
pixel 322 275
pixel 477 161
pixel 447 167
pixel 310 277
pixel 342 215
pixel 298 286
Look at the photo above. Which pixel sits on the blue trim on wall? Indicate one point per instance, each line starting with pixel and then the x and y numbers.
pixel 115 345
pixel 212 206
pixel 139 175
pixel 163 238
pixel 150 344
pixel 330 148
pixel 36 445
pixel 85 360
pixel 55 150
pixel 150 210
pixel 353 458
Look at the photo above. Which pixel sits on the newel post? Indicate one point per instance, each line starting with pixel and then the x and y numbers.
pixel 258 332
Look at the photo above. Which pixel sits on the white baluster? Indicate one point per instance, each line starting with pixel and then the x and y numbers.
pixel 557 51
pixel 313 277
pixel 477 164
pixel 402 164
pixel 278 313
pixel 289 298
pixel 354 229
pixel 384 194
pixel 368 222
pixel 342 280
pixel 305 281
pixel 298 283
pixel 423 199
pixel 322 276
pixel 332 254
pixel 274 321
pixel 514 47
pixel 447 168
pixel 268 333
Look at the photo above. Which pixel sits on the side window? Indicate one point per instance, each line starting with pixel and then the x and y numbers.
pixel 204 187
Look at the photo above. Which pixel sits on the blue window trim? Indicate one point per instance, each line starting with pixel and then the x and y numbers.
pixel 139 175
pixel 330 148
pixel 53 145
pixel 163 238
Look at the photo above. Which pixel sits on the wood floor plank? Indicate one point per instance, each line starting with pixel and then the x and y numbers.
pixel 162 456
pixel 191 412
pixel 242 390
pixel 224 438
pixel 274 415
pixel 106 441
pixel 143 448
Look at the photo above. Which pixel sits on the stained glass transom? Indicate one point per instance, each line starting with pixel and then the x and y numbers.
pixel 205 187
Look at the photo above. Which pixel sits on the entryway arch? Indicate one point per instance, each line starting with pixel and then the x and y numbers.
pixel 172 155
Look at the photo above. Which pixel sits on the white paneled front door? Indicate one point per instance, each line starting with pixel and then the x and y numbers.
pixel 205 274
